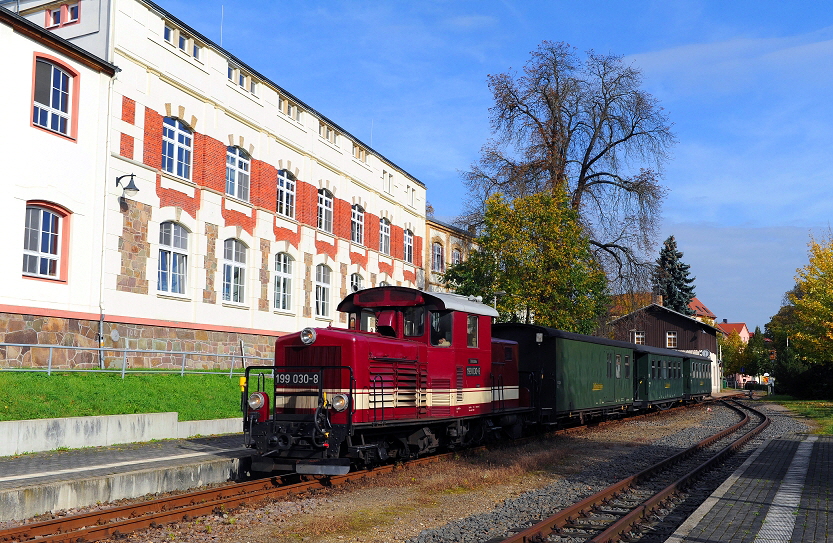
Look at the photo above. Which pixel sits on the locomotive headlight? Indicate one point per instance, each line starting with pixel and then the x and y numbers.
pixel 308 336
pixel 340 402
pixel 257 400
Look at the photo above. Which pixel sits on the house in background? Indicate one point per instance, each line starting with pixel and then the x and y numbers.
pixel 740 327
pixel 446 245
pixel 701 312
pixel 250 214
pixel 658 326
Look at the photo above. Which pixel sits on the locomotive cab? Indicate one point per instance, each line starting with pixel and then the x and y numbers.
pixel 413 373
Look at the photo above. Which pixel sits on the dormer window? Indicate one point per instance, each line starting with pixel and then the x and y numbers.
pixel 63 15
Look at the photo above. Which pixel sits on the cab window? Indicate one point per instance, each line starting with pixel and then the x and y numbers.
pixel 471 331
pixel 441 328
pixel 414 321
pixel 367 322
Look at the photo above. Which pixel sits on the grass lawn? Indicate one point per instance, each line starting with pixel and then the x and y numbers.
pixel 193 396
pixel 819 411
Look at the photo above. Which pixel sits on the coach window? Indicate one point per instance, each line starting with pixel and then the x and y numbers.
pixel 441 328
pixel 653 369
pixel 618 366
pixel 627 367
pixel 471 331
pixel 414 321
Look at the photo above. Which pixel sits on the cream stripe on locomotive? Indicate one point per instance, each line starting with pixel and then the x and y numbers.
pixel 393 398
pixel 433 397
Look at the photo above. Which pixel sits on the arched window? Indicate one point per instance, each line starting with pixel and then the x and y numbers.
pixel 325 210
pixel 355 282
pixel 234 271
pixel 43 242
pixel 409 246
pixel 322 291
pixel 286 194
pixel 173 258
pixel 237 173
pixel 283 282
pixel 456 256
pixel 437 257
pixel 357 225
pixel 177 144
pixel 53 97
pixel 384 236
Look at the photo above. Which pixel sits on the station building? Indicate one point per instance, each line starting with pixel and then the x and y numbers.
pixel 169 196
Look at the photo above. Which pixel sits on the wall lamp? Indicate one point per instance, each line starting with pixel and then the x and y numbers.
pixel 130 189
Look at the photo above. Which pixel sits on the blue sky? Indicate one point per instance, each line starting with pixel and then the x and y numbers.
pixel 746 84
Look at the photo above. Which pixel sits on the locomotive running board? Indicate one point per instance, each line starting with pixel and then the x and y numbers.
pixel 324 466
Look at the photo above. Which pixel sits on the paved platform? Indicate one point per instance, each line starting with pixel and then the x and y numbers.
pixel 782 493
pixel 37 483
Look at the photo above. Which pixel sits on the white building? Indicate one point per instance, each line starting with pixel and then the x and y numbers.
pixel 255 214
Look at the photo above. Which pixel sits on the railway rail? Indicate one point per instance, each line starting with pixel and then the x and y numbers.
pixel 622 511
pixel 115 521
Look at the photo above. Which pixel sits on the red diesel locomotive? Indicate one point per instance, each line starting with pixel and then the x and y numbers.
pixel 413 372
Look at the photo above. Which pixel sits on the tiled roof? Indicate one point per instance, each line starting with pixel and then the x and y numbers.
pixel 729 327
pixel 700 310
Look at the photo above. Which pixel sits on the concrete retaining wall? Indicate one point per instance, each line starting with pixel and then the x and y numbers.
pixel 22 436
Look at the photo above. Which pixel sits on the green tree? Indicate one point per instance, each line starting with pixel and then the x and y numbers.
pixel 734 355
pixel 671 278
pixel 584 126
pixel 813 327
pixel 757 354
pixel 536 263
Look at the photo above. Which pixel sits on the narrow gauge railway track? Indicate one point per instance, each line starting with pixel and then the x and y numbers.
pixel 616 513
pixel 119 520
pixel 116 521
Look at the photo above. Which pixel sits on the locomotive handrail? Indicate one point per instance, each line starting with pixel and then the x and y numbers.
pixel 373 389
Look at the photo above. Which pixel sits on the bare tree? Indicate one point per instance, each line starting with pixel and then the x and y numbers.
pixel 587 127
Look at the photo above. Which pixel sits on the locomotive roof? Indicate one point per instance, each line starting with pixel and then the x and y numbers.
pixel 407 297
pixel 556 333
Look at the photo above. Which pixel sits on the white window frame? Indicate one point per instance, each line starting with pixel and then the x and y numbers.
pixel 356 282
pixel 283 282
pixel 286 194
pixel 387 181
pixel 325 211
pixel 639 337
pixel 322 290
pixel 671 337
pixel 238 166
pixel 384 236
pixel 437 257
pixel 456 255
pixel 42 243
pixel 409 246
pixel 357 224
pixel 172 276
pixel 234 271
pixel 177 148
pixel 55 115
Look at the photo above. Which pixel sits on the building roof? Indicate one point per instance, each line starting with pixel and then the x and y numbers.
pixel 55 42
pixel 729 327
pixel 663 308
pixel 700 310
pixel 235 60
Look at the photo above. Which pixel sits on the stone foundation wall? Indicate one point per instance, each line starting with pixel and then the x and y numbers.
pixel 37 330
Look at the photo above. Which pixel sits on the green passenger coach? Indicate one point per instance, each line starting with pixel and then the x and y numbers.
pixel 572 375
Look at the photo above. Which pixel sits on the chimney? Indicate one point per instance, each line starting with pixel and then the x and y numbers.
pixel 657 299
pixel 725 321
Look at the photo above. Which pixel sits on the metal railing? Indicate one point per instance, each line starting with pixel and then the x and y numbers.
pixel 122 355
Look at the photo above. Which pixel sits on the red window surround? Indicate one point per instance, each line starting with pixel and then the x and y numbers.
pixel 74 89
pixel 63 250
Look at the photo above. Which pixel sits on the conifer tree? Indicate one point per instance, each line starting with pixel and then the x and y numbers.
pixel 671 278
